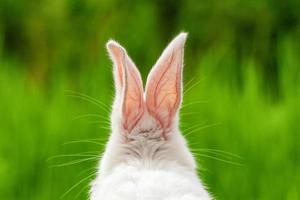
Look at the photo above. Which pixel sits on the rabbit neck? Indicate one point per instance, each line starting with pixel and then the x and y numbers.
pixel 147 151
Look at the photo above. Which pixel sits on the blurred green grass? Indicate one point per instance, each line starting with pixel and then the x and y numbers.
pixel 242 82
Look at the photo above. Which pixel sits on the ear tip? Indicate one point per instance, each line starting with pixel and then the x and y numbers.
pixel 114 47
pixel 183 35
pixel 180 39
pixel 111 44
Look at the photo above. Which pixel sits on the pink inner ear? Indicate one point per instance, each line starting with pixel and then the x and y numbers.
pixel 133 104
pixel 129 85
pixel 163 90
pixel 117 56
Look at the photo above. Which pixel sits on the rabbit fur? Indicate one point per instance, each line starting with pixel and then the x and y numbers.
pixel 146 157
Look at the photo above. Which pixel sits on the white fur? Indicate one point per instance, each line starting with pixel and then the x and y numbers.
pixel 145 164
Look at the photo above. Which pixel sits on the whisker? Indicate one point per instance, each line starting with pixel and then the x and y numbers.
pixel 91 115
pixel 108 128
pixel 83 141
pixel 93 139
pixel 220 152
pixel 105 128
pixel 70 155
pixel 219 159
pixel 102 122
pixel 192 103
pixel 186 85
pixel 91 101
pixel 91 169
pixel 191 144
pixel 217 155
pixel 84 188
pixel 77 161
pixel 192 86
pixel 90 97
pixel 201 128
pixel 75 185
pixel 201 169
pixel 191 128
pixel 188 113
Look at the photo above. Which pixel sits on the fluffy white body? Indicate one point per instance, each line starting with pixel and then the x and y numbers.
pixel 134 183
pixel 146 157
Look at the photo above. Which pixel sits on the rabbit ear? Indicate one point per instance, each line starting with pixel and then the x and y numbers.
pixel 128 85
pixel 164 83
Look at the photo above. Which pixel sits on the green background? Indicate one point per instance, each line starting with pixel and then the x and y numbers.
pixel 241 108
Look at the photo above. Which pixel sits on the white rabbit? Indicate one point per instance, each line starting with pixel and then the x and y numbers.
pixel 146 157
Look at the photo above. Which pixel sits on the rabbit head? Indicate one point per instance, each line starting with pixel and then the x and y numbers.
pixel 145 124
pixel 145 132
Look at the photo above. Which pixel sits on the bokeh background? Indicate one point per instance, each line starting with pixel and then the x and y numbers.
pixel 241 108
